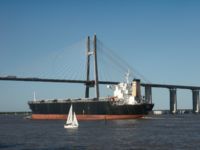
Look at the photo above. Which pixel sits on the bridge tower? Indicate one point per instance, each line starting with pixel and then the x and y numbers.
pixel 96 82
pixel 87 86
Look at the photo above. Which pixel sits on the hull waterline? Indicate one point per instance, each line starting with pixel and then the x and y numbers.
pixel 83 117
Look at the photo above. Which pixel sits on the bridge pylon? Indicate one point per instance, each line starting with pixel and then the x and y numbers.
pixel 94 53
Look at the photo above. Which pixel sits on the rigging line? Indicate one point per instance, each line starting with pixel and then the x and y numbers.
pixel 66 54
pixel 120 66
pixel 107 75
pixel 116 63
pixel 62 69
pixel 83 75
pixel 106 62
pixel 61 72
pixel 114 59
pixel 122 60
pixel 100 69
pixel 41 64
pixel 65 72
pixel 113 68
pixel 100 61
pixel 112 55
pixel 120 70
pixel 102 73
pixel 69 49
pixel 44 73
pixel 80 66
pixel 79 71
pixel 76 70
pixel 102 65
pixel 83 64
pixel 72 74
pixel 134 70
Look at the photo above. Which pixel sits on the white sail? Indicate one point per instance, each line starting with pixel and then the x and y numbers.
pixel 70 117
pixel 75 122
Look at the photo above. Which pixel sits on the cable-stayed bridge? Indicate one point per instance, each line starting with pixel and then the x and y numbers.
pixel 116 62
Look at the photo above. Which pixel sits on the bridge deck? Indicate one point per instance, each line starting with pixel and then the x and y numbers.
pixel 14 78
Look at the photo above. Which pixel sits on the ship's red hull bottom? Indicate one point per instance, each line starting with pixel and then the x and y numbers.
pixel 83 117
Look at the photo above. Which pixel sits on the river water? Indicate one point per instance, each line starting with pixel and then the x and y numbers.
pixel 164 132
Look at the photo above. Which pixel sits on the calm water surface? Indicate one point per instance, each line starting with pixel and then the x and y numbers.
pixel 164 132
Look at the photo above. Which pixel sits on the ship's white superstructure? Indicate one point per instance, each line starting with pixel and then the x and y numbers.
pixel 127 92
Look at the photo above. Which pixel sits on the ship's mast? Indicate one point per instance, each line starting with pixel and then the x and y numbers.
pixel 96 68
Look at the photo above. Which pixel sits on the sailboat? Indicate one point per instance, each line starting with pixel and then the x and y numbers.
pixel 71 119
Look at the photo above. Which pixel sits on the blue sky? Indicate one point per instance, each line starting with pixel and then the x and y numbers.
pixel 158 38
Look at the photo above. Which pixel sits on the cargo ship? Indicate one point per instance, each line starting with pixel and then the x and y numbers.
pixel 126 102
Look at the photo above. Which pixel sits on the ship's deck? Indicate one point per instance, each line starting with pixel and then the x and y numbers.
pixel 103 99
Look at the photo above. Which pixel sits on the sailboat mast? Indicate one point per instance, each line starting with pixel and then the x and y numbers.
pixel 96 68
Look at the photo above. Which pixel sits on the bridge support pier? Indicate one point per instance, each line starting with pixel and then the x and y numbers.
pixel 173 101
pixel 195 98
pixel 148 94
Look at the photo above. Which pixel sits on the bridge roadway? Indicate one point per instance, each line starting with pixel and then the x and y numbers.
pixel 148 89
pixel 32 79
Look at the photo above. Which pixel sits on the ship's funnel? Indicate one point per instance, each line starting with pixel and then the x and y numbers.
pixel 136 88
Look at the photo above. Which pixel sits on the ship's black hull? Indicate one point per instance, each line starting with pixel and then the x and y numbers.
pixel 86 108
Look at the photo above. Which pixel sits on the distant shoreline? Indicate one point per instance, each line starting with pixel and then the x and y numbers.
pixel 16 113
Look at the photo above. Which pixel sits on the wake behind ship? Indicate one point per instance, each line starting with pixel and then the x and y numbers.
pixel 126 102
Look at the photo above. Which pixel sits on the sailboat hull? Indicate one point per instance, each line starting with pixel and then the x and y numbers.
pixel 88 110
pixel 70 126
